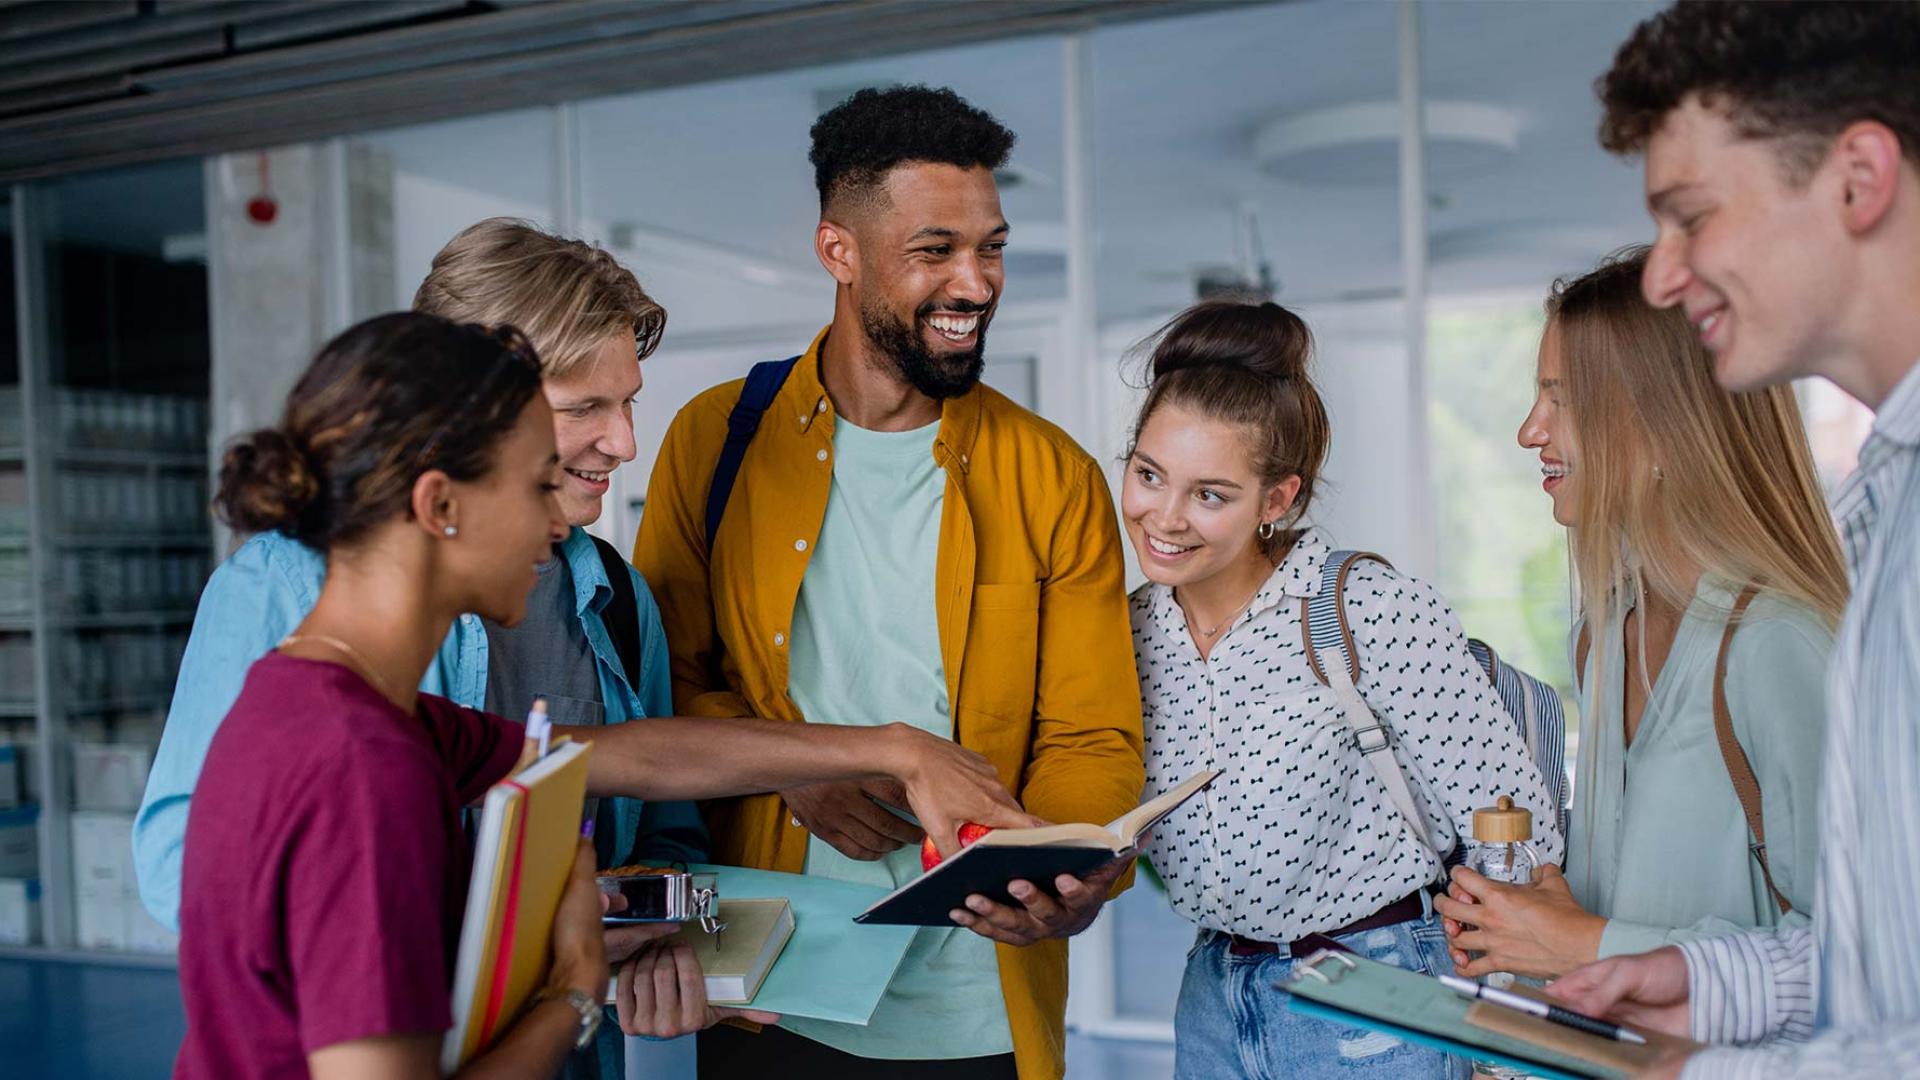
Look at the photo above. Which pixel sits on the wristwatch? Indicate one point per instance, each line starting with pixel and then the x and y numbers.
pixel 581 1003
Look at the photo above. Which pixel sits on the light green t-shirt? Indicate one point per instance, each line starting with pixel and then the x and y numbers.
pixel 866 650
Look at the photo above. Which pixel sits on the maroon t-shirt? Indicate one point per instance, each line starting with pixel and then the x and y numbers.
pixel 325 870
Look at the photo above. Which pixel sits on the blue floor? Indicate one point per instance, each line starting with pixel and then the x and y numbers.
pixel 87 1021
pixel 105 1022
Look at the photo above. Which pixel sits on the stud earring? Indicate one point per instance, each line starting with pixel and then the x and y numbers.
pixel 1657 474
pixel 451 531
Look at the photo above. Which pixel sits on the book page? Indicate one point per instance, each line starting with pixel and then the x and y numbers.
pixel 1128 826
pixel 1072 834
pixel 1118 836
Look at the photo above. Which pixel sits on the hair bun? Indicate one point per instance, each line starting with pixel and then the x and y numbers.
pixel 1261 338
pixel 267 482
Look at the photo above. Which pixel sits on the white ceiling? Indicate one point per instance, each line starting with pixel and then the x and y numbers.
pixel 1177 103
pixel 1176 106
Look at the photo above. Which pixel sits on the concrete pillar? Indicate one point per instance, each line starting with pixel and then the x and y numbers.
pixel 371 252
pixel 281 288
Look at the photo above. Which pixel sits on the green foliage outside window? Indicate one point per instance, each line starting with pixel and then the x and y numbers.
pixel 1502 558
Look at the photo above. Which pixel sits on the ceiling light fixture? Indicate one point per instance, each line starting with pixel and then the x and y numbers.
pixel 1359 143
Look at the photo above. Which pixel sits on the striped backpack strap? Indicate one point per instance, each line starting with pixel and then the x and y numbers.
pixel 1538 716
pixel 1335 660
pixel 1323 616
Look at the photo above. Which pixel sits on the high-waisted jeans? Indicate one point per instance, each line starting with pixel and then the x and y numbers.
pixel 1231 1021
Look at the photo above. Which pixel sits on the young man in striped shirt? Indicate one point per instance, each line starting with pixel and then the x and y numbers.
pixel 1782 145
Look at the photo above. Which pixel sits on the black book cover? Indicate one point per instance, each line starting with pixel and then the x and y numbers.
pixel 926 900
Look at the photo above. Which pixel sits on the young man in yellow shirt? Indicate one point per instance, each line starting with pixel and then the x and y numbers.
pixel 902 543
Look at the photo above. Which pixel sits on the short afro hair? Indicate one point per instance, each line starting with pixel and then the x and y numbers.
pixel 1796 72
pixel 857 142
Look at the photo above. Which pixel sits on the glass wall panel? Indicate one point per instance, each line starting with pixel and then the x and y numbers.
pixel 1251 152
pixel 121 505
pixel 705 192
pixel 19 835
pixel 444 176
pixel 1508 215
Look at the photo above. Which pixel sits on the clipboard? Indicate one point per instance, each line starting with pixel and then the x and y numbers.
pixel 1347 989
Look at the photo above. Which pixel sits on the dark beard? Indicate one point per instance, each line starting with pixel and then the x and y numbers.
pixel 936 377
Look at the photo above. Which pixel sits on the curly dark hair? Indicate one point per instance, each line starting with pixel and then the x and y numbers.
pixel 858 141
pixel 1794 72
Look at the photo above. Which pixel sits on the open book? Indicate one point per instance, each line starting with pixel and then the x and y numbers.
pixel 1035 855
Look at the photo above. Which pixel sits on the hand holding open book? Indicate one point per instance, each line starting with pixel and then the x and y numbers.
pixel 1036 856
pixel 1066 906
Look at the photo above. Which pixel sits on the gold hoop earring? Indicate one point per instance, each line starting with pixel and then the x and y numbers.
pixel 1267 530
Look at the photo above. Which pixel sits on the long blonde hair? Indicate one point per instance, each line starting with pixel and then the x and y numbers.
pixel 1676 474
pixel 568 296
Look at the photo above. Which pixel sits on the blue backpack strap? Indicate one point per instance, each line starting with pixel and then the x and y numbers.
pixel 763 385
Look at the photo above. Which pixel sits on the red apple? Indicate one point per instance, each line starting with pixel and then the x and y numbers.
pixel 930 855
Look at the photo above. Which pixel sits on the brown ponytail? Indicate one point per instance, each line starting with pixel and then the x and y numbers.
pixel 381 404
pixel 1246 364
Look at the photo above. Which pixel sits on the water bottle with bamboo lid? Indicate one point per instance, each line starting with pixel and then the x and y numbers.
pixel 1502 851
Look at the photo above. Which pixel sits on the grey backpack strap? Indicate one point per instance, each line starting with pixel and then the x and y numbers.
pixel 1336 662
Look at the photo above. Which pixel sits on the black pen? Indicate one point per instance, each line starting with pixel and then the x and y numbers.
pixel 1554 1013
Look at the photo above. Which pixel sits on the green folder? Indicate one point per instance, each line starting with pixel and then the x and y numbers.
pixel 1348 989
pixel 832 968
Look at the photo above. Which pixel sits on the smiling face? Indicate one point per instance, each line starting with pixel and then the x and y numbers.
pixel 1192 501
pixel 593 424
pixel 928 274
pixel 509 519
pixel 1757 263
pixel 1548 431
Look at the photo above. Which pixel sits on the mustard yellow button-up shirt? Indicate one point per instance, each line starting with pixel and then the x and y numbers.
pixel 1030 604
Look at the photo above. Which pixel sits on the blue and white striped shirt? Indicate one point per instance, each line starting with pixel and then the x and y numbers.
pixel 1843 997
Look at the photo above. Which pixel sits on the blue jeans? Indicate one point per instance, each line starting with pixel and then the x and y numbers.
pixel 1232 1022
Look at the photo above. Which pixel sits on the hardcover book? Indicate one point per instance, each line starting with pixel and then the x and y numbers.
pixel 1035 855
pixel 736 960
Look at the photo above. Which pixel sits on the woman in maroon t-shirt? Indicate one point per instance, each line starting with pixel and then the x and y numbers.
pixel 324 873
pixel 324 870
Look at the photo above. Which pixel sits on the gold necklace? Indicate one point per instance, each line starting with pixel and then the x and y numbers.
pixel 360 666
pixel 1208 633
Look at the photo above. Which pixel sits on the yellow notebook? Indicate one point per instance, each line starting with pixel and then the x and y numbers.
pixel 529 831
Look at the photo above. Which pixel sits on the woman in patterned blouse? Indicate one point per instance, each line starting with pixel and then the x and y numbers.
pixel 1298 841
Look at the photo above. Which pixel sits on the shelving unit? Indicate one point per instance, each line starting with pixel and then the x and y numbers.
pixel 105 543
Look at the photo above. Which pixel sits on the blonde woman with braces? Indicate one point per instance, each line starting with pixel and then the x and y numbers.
pixel 1709 583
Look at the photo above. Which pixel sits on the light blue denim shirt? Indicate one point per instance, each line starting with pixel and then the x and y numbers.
pixel 266 588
